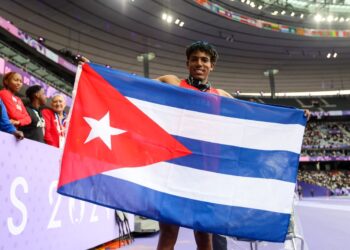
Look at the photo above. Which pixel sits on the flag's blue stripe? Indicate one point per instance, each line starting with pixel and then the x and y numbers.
pixel 279 165
pixel 202 216
pixel 148 90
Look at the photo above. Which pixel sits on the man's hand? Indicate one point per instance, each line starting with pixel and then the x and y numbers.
pixel 18 134
pixel 83 59
pixel 307 114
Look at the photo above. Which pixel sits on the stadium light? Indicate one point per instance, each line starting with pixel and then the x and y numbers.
pixel 164 16
pixel 318 18
pixel 145 58
pixel 169 19
pixel 41 39
pixel 271 74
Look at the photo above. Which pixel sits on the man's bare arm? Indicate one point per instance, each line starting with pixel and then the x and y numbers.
pixel 170 79
pixel 224 93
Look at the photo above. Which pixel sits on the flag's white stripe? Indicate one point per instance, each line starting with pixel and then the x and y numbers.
pixel 224 130
pixel 257 193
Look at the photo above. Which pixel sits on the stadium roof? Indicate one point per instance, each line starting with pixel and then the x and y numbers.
pixel 115 32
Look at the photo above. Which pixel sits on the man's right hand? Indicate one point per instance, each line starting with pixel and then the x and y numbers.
pixel 83 59
pixel 18 134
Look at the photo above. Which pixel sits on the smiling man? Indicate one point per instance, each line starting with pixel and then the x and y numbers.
pixel 201 59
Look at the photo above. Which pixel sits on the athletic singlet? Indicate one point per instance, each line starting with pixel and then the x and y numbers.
pixel 184 84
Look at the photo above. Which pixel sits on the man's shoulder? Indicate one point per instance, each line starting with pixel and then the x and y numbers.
pixel 224 93
pixel 170 79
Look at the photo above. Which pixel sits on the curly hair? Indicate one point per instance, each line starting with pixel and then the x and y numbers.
pixel 32 90
pixel 204 47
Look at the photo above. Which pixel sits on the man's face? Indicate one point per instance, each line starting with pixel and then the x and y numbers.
pixel 41 97
pixel 199 65
pixel 58 104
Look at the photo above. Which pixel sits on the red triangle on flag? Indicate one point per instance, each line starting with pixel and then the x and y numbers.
pixel 143 143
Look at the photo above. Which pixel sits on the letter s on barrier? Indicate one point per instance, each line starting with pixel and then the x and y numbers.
pixel 15 230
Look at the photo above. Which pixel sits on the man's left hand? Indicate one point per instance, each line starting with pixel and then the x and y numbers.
pixel 307 114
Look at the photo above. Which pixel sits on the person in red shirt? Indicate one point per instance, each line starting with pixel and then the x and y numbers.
pixel 15 108
pixel 55 121
pixel 201 59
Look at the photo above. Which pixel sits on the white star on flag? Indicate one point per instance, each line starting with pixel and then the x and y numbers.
pixel 102 129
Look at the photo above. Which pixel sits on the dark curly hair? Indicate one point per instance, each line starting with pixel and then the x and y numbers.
pixel 32 90
pixel 204 47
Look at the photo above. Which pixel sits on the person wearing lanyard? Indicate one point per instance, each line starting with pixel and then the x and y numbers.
pixel 201 59
pixel 55 121
pixel 35 130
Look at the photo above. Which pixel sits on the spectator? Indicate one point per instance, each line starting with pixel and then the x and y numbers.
pixel 35 130
pixel 300 191
pixel 328 179
pixel 55 121
pixel 15 108
pixel 6 125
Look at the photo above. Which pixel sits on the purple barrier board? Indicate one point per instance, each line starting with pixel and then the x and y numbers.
pixel 310 190
pixel 33 215
pixel 324 158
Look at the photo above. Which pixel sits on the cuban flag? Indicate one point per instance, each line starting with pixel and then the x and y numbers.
pixel 180 156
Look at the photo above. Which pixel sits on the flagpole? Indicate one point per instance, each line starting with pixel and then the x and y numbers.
pixel 74 92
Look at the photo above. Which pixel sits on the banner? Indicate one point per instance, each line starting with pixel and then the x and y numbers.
pixel 180 156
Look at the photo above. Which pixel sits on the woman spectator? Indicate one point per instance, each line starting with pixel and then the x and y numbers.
pixel 55 121
pixel 15 108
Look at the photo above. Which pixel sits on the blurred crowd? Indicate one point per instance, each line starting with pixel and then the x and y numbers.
pixel 324 138
pixel 33 120
pixel 337 181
